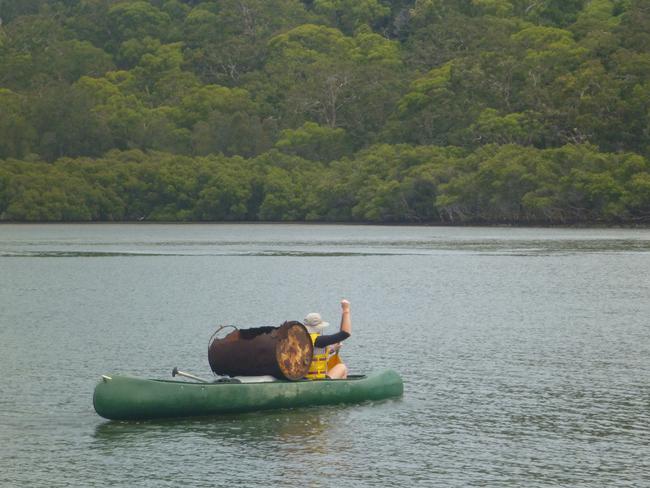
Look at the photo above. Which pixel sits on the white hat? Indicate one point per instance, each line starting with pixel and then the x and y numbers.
pixel 314 322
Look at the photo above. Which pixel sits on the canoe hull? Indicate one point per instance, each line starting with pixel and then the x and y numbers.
pixel 127 398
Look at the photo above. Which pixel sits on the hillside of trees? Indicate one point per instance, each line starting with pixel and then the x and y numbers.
pixel 430 111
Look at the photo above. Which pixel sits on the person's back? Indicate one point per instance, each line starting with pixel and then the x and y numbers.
pixel 325 362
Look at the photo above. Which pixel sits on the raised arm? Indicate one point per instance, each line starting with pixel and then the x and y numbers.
pixel 346 324
pixel 344 333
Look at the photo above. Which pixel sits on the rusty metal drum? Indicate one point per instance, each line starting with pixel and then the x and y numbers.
pixel 284 352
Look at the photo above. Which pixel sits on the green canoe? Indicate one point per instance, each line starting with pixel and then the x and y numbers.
pixel 127 398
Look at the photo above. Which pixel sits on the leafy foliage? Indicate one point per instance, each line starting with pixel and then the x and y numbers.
pixel 451 111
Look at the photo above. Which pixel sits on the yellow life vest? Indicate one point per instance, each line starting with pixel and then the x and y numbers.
pixel 318 366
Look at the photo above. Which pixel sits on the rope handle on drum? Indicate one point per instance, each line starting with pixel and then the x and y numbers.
pixel 221 327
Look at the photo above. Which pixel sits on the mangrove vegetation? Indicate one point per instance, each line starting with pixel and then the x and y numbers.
pixel 406 111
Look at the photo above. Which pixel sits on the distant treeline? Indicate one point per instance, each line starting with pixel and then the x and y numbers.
pixel 454 111
pixel 383 183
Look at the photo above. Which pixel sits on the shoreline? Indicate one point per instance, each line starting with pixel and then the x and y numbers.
pixel 585 225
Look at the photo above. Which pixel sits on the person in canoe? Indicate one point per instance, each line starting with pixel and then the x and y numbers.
pixel 326 361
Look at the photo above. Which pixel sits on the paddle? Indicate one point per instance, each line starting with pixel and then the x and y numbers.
pixel 175 372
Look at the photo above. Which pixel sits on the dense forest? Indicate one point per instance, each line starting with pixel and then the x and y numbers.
pixel 432 111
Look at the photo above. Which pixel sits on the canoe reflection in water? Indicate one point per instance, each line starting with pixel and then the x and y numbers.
pixel 303 427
